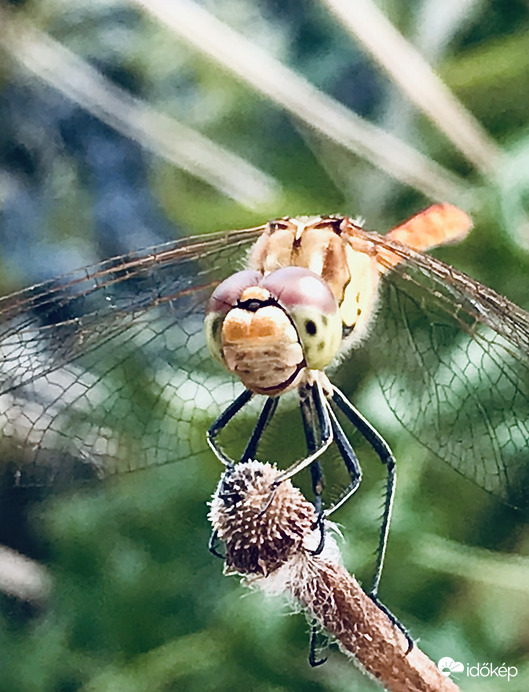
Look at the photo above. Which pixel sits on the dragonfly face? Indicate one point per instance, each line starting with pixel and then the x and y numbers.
pixel 273 328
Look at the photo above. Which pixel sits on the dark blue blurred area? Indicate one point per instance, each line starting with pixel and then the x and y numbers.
pixel 42 134
pixel 114 170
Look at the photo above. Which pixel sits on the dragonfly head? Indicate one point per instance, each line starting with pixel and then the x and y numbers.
pixel 268 330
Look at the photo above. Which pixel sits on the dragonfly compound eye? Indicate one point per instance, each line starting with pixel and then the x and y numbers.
pixel 223 299
pixel 312 307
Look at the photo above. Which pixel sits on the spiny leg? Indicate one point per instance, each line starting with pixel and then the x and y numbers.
pixel 385 455
pixel 226 495
pixel 314 661
pixel 262 422
pixel 213 542
pixel 325 434
pixel 353 467
pixel 249 453
pixel 312 438
pixel 311 430
pixel 350 460
pixel 383 451
pixel 222 421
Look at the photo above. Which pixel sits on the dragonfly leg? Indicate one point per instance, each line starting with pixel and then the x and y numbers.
pixel 221 423
pixel 315 410
pixel 314 661
pixel 213 543
pixel 249 453
pixel 351 463
pixel 383 451
pixel 394 619
pixel 225 493
pixel 310 428
pixel 321 409
pixel 353 467
pixel 264 419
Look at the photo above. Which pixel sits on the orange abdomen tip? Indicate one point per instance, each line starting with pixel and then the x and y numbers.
pixel 440 224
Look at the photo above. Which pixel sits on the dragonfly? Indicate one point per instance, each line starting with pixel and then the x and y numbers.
pixel 309 296
pixel 108 369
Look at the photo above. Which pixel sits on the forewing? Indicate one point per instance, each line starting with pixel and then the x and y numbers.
pixel 105 370
pixel 452 358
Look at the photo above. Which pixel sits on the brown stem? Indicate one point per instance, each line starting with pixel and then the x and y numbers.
pixel 363 630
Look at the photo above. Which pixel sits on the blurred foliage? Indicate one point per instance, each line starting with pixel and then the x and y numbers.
pixel 138 603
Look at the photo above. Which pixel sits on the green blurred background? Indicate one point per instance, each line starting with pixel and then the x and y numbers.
pixel 136 601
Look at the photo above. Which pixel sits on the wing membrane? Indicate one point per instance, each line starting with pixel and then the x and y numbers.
pixel 452 358
pixel 107 368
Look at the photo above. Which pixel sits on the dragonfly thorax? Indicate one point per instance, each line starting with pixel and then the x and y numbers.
pixel 323 245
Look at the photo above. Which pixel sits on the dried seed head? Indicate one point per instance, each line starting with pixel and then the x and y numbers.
pixel 262 525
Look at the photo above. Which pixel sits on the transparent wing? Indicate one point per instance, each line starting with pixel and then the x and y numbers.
pixel 452 358
pixel 106 370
